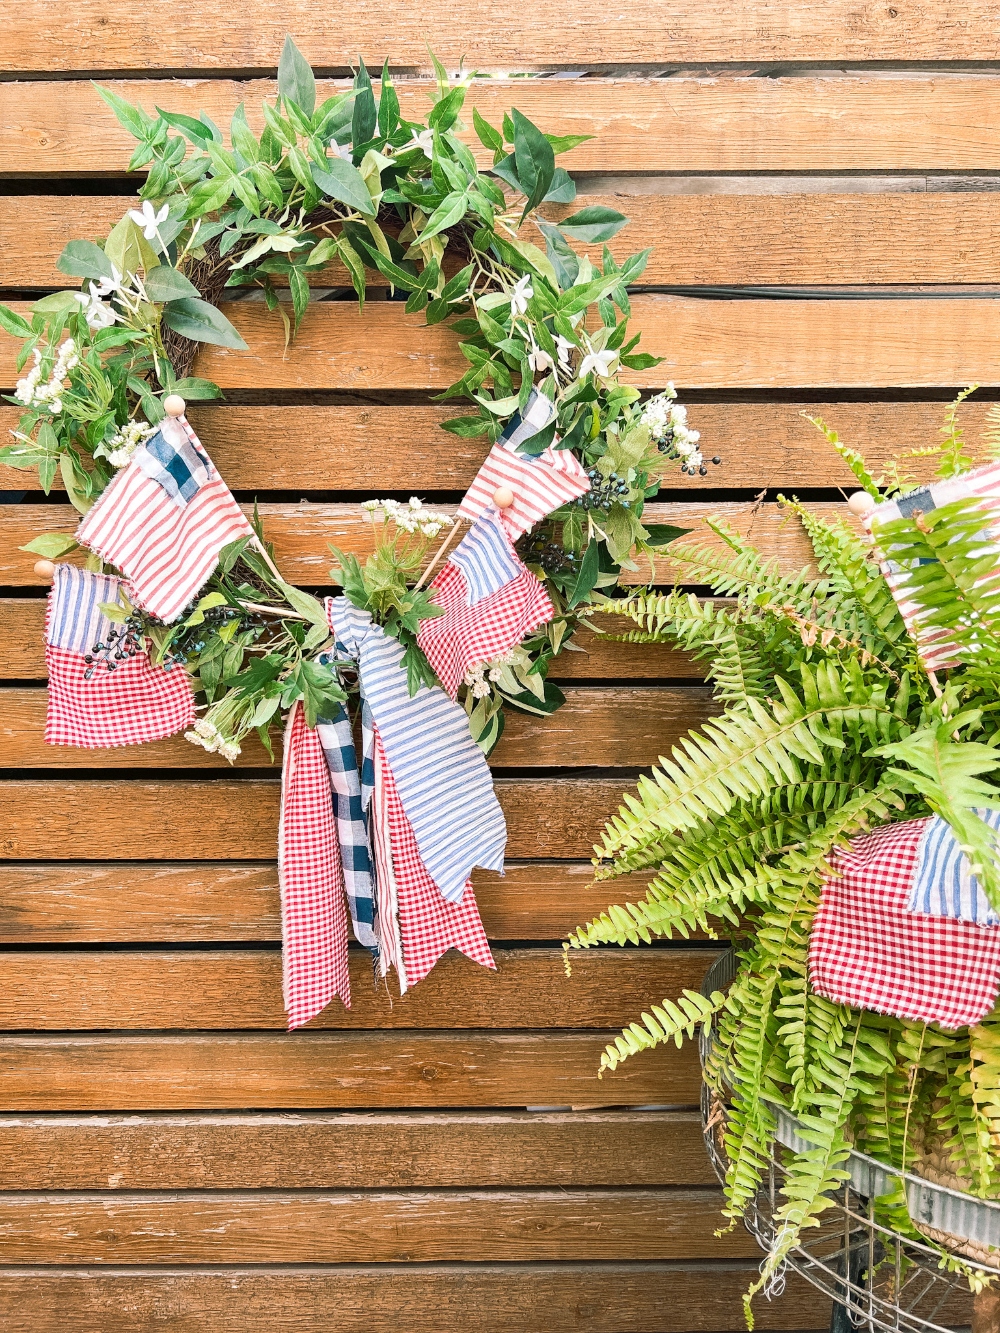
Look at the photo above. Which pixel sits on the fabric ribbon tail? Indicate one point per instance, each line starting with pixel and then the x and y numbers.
pixel 313 915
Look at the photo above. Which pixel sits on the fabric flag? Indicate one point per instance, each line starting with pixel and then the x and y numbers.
pixel 491 602
pixel 936 648
pixel 440 773
pixel 132 703
pixel 164 519
pixel 943 883
pixel 868 949
pixel 539 484
pixel 387 893
pixel 428 925
pixel 352 829
pixel 313 918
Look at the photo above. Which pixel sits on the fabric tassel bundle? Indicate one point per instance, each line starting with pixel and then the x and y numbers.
pixel 426 815
pixel 115 696
pixel 164 519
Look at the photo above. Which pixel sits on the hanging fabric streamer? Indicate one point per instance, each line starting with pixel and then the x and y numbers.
pixel 441 775
pixel 352 829
pixel 313 917
pixel 491 601
pixel 118 697
pixel 164 519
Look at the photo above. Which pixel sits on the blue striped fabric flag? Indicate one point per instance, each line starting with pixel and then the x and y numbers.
pixel 352 828
pixel 485 557
pixel 442 776
pixel 943 884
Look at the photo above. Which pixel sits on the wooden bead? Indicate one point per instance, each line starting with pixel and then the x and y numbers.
pixel 44 569
pixel 860 503
pixel 503 497
pixel 174 405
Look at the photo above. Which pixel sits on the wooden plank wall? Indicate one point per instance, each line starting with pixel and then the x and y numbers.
pixel 169 1157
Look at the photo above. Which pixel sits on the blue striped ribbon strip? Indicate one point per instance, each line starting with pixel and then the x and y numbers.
pixel 943 884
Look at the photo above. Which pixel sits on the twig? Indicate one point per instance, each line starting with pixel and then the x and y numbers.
pixel 440 552
pixel 274 611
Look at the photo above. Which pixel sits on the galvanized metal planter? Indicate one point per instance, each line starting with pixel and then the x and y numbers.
pixel 881 1280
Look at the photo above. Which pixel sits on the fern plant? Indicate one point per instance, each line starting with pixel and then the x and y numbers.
pixel 829 726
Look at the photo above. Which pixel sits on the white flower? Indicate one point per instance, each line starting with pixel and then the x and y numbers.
pixel 105 286
pixel 539 359
pixel 521 295
pixel 148 218
pixel 424 141
pixel 99 315
pixel 602 364
pixel 565 349
pixel 229 750
pixel 342 150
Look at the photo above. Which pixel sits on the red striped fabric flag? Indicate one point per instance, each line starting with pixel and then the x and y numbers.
pixel 313 911
pixel 164 519
pixel 870 950
pixel 539 485
pixel 88 704
pixel 491 602
pixel 428 925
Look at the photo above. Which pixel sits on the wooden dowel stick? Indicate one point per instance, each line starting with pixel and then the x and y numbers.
pixel 274 611
pixel 256 542
pixel 440 552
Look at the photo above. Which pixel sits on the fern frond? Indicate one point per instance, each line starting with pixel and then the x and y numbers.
pixel 954 459
pixel 667 1022
pixel 991 431
pixel 851 457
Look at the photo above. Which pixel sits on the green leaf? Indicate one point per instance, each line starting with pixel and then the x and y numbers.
pixel 319 690
pixel 563 258
pixel 56 303
pixel 444 113
pixel 196 130
pixel 14 324
pixel 661 534
pixel 563 188
pixel 641 361
pixel 79 487
pixel 342 181
pixel 466 427
pixel 534 159
pixel 243 139
pixel 595 223
pixel 295 78
pixel 197 390
pixel 562 143
pixel 164 283
pixel 365 117
pixel 114 611
pixel 388 105
pixel 231 552
pixel 84 259
pixel 128 249
pixel 51 545
pixel 130 117
pixel 198 320
pixel 488 136
pixel 451 209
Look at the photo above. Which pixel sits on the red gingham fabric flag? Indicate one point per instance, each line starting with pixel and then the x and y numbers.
pixel 869 950
pixel 164 519
pixel 313 910
pixel 491 602
pixel 937 652
pixel 539 485
pixel 135 702
pixel 428 925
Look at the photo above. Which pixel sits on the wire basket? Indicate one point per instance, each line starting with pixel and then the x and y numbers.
pixel 878 1279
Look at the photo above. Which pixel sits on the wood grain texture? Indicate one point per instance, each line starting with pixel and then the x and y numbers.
pixel 214 820
pixel 302 535
pixel 618 727
pixel 383 449
pixel 154 37
pixel 70 991
pixel 732 124
pixel 402 1227
pixel 347 1150
pixel 327 1069
pixel 188 903
pixel 491 1298
pixel 701 240
pixel 22 650
pixel 706 344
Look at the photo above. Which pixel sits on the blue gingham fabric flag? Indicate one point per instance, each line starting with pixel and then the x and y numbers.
pixel 352 828
pixel 943 883
pixel 442 776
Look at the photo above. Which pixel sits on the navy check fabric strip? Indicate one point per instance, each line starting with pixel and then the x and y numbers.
pixel 352 828
pixel 179 468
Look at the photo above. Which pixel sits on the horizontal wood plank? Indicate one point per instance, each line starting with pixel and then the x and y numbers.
pixel 378 450
pixel 134 903
pixel 213 820
pixel 302 535
pixel 561 1298
pixel 742 124
pixel 22 650
pixel 705 344
pixel 701 240
pixel 406 1227
pixel 617 727
pixel 326 1069
pixel 69 991
pixel 43 40
pixel 348 1150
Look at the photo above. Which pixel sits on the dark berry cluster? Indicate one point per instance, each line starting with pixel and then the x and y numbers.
pixel 191 640
pixel 539 549
pixel 124 642
pixel 604 491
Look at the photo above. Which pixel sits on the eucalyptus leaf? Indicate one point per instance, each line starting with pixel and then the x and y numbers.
pixel 593 224
pixel 84 259
pixel 164 283
pixel 295 78
pixel 51 545
pixel 196 319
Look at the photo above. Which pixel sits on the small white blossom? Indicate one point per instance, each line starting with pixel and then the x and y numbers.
pixel 343 150
pixel 424 141
pixel 521 295
pixel 148 218
pixel 30 392
pixel 539 359
pixel 105 286
pixel 565 349
pixel 95 312
pixel 601 364
pixel 123 444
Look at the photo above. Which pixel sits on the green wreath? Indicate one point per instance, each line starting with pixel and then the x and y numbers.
pixel 350 180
